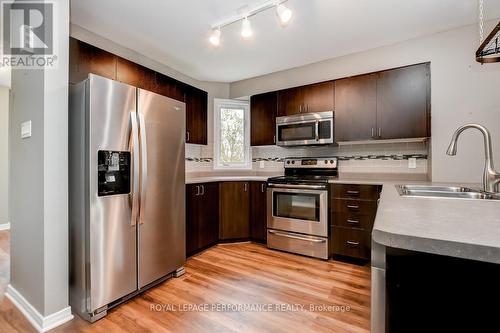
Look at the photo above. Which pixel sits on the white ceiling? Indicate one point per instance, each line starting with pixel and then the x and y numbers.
pixel 175 32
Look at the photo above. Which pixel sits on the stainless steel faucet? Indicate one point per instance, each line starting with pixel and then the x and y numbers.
pixel 491 178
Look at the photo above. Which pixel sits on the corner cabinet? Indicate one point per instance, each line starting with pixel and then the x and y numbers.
pixel 196 115
pixel 263 109
pixel 234 210
pixel 392 104
pixel 202 216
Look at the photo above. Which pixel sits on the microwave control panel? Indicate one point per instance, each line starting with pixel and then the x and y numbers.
pixel 113 172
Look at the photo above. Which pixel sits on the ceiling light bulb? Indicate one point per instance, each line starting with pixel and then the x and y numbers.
pixel 246 29
pixel 284 14
pixel 215 37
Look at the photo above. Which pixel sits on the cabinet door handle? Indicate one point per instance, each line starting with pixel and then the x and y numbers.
pixel 262 188
pixel 352 243
pixel 352 221
pixel 202 189
pixel 379 132
pixel 274 138
pixel 197 190
pixel 373 132
pixel 353 192
pixel 187 136
pixel 245 186
pixel 353 206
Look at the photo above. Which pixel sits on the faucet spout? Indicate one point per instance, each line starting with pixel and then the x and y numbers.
pixel 491 178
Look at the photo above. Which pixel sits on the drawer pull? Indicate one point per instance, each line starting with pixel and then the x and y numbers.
pixel 353 206
pixel 352 221
pixel 352 243
pixel 353 192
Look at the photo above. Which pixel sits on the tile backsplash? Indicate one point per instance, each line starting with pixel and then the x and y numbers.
pixel 368 158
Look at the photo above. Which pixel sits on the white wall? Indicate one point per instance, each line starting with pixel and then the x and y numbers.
pixel 5 76
pixel 214 89
pixel 39 180
pixel 462 91
pixel 4 155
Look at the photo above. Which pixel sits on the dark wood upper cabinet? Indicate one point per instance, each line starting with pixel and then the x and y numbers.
pixel 85 58
pixel 234 210
pixel 136 75
pixel 319 97
pixel 258 211
pixel 403 102
pixel 202 216
pixel 196 115
pixel 290 101
pixel 169 87
pixel 316 97
pixel 263 119
pixel 356 108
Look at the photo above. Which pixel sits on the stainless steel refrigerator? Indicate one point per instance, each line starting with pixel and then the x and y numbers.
pixel 126 189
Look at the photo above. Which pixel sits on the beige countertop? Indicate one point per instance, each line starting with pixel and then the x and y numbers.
pixel 463 228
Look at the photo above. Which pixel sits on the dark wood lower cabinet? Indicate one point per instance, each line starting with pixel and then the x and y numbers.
pixel 234 210
pixel 353 208
pixel 258 211
pixel 202 216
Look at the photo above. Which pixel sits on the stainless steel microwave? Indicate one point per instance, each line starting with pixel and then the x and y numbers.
pixel 305 129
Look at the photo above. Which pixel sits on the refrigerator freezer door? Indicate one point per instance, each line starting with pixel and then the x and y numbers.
pixel 162 214
pixel 112 234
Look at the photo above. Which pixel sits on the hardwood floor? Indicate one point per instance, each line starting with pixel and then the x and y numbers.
pixel 231 274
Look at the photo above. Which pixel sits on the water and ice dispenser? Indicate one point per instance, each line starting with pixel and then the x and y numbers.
pixel 114 172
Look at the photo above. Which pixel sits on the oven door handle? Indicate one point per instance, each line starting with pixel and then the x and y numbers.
pixel 282 234
pixel 298 187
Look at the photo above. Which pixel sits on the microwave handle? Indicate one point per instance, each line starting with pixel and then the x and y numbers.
pixel 316 132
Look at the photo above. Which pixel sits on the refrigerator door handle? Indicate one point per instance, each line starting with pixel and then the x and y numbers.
pixel 135 160
pixel 144 166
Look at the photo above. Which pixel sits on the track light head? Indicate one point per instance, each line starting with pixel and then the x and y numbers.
pixel 284 13
pixel 215 37
pixel 246 29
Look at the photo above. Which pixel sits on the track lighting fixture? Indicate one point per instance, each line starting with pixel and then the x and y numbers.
pixel 283 13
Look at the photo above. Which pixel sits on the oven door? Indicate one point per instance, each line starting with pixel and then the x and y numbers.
pixel 298 208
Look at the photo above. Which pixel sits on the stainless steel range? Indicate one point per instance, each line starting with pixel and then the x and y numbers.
pixel 297 206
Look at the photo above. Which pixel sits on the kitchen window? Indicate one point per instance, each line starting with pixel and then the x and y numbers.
pixel 232 134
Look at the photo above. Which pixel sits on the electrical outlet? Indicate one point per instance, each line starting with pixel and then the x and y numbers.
pixel 412 163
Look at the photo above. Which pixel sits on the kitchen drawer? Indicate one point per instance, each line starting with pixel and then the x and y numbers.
pixel 366 192
pixel 353 220
pixel 360 207
pixel 351 242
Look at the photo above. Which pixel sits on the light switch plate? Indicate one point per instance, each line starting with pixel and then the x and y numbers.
pixel 412 163
pixel 261 164
pixel 26 129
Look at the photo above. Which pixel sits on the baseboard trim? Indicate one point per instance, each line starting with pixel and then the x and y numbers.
pixel 39 322
pixel 5 226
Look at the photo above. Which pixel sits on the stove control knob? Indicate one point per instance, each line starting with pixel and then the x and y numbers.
pixel 331 161
pixel 287 162
pixel 326 162
pixel 293 162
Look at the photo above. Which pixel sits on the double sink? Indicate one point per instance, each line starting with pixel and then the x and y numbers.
pixel 436 191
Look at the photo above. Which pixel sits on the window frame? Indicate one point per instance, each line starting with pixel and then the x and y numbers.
pixel 231 103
